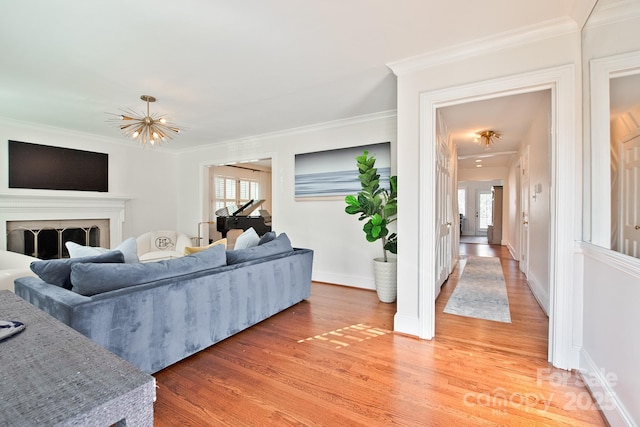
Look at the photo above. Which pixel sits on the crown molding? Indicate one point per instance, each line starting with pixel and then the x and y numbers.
pixel 303 129
pixel 482 46
pixel 616 11
pixel 486 155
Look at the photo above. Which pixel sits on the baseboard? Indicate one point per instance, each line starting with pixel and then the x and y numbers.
pixel 407 325
pixel 603 394
pixel 539 293
pixel 512 251
pixel 353 281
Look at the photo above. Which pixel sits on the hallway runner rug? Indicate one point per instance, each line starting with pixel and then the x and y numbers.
pixel 481 292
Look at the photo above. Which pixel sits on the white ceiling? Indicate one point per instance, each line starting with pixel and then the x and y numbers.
pixel 224 70
pixel 510 116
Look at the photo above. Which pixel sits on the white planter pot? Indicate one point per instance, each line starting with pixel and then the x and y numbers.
pixel 385 276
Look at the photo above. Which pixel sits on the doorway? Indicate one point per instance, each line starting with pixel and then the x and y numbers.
pixel 520 158
pixel 475 208
pixel 484 206
pixel 564 148
pixel 244 188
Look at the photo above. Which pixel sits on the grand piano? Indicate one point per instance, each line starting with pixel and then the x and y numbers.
pixel 234 217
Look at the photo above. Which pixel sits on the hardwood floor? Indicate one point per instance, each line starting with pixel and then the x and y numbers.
pixel 332 360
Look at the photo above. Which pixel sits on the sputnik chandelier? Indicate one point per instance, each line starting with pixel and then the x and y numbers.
pixel 487 138
pixel 149 129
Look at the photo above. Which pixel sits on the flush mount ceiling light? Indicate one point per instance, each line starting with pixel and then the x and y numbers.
pixel 148 129
pixel 487 138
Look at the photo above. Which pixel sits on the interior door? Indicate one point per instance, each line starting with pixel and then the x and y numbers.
pixel 524 212
pixel 444 205
pixel 630 199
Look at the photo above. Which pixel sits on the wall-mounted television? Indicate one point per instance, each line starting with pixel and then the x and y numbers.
pixel 56 168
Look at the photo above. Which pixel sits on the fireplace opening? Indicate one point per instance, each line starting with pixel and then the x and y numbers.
pixel 44 240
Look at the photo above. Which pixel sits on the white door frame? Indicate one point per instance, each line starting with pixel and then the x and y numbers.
pixel 602 70
pixel 566 155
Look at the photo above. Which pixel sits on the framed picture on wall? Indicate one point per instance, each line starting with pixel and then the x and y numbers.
pixel 334 173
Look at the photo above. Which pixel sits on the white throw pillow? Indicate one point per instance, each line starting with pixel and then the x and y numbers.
pixel 129 249
pixel 248 239
pixel 163 241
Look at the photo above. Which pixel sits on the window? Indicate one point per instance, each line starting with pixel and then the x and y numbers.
pixel 462 201
pixel 225 192
pixel 231 191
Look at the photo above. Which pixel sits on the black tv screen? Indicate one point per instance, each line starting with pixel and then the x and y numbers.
pixel 55 168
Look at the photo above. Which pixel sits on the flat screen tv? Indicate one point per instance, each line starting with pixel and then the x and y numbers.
pixel 56 168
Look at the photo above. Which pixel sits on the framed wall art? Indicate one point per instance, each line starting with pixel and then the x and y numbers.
pixel 334 173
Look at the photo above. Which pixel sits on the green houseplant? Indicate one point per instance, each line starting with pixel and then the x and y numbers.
pixel 378 207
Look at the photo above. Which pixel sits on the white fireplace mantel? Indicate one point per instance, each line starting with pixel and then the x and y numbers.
pixel 64 206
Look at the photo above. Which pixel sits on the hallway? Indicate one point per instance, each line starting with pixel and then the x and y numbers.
pixel 528 332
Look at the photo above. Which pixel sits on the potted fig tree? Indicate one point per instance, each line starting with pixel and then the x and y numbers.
pixel 377 206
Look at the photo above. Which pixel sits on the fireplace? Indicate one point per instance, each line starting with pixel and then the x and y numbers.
pixel 39 224
pixel 46 239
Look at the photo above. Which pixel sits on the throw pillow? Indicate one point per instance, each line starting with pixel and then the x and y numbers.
pixel 267 237
pixel 58 271
pixel 248 239
pixel 188 250
pixel 92 279
pixel 129 249
pixel 163 240
pixel 279 245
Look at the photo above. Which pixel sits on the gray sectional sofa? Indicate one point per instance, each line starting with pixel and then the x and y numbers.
pixel 155 314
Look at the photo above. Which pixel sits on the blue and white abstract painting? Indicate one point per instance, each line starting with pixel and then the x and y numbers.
pixel 335 172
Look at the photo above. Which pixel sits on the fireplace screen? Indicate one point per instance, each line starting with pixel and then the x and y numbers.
pixel 47 241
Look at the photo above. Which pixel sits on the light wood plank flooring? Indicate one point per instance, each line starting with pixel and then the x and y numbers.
pixel 333 361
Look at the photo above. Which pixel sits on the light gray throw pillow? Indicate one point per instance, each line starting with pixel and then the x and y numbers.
pixel 248 239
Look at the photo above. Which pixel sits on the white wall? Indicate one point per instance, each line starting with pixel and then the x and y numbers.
pixel 341 253
pixel 611 348
pixel 146 177
pixel 537 138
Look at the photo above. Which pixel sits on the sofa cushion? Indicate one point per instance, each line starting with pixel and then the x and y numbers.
pixel 129 249
pixel 267 237
pixel 92 279
pixel 279 245
pixel 57 271
pixel 188 250
pixel 248 239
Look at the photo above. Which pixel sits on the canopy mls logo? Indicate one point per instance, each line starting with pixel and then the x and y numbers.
pixel 568 395
pixel 582 400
